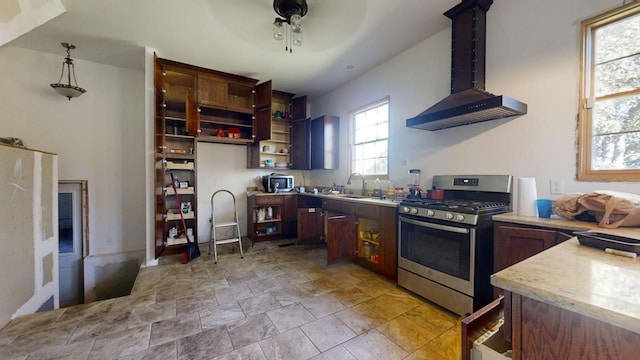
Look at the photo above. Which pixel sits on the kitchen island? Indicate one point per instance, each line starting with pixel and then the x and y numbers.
pixel 573 302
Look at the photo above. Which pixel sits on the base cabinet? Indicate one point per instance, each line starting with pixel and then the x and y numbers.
pixel 271 217
pixel 543 331
pixel 310 226
pixel 362 233
pixel 514 243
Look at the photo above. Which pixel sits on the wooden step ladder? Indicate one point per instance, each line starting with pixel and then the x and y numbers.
pixel 234 225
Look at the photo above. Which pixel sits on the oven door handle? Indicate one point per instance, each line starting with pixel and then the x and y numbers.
pixel 458 230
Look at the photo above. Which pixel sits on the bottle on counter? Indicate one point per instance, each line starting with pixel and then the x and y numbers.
pixel 391 191
pixel 269 215
pixel 377 190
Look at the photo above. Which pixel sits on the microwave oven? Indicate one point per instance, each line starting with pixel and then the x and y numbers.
pixel 277 183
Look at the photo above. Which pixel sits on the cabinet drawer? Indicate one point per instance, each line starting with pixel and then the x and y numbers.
pixel 343 207
pixel 368 211
pixel 269 200
pixel 483 334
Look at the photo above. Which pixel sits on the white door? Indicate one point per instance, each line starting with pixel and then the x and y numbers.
pixel 70 244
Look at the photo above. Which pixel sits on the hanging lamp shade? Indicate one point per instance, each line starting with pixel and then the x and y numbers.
pixel 68 90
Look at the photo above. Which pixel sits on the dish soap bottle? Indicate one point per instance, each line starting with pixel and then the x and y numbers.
pixel 377 190
pixel 391 191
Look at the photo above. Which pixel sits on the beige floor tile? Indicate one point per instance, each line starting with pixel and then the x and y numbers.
pixel 220 315
pixel 125 342
pixel 350 296
pixel 259 304
pixel 174 328
pixel 91 329
pixel 430 313
pixel 290 345
pixel 196 302
pixel 249 352
pixel 328 332
pixel 146 314
pixel 231 294
pixel 374 346
pixel 260 286
pixel 166 351
pixel 447 345
pixel 390 306
pixel 425 353
pixel 289 317
pixel 44 338
pixel 322 305
pixel 204 345
pixel 361 318
pixel 336 353
pixel 79 350
pixel 404 332
pixel 251 330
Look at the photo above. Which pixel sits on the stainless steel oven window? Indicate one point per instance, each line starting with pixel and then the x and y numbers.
pixel 447 249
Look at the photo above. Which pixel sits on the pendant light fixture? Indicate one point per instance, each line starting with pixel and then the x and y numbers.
pixel 289 25
pixel 67 89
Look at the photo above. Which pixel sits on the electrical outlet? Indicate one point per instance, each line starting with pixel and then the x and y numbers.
pixel 557 187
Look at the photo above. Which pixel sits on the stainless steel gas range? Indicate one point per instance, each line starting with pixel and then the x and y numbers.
pixel 446 246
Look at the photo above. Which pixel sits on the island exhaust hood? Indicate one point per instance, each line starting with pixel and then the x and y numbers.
pixel 469 102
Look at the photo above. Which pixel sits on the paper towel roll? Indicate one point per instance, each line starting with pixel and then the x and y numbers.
pixel 527 195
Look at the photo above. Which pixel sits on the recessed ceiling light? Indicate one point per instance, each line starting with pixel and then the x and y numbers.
pixel 350 67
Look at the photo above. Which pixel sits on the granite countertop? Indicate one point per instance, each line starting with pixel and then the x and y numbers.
pixel 357 199
pixel 555 222
pixel 341 197
pixel 581 279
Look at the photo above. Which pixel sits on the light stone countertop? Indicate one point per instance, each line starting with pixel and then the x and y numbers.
pixel 341 197
pixel 555 222
pixel 581 279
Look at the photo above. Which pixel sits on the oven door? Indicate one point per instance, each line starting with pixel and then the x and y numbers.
pixel 439 252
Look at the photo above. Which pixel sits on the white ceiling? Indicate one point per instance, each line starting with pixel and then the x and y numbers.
pixel 235 36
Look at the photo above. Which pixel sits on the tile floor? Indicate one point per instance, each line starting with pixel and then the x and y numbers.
pixel 276 303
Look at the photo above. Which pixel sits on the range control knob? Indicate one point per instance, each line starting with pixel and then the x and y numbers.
pixel 405 209
pixel 459 217
pixel 414 211
pixel 449 216
pixel 431 213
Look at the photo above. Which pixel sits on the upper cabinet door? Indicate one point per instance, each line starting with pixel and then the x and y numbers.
pixel 178 83
pixel 262 125
pixel 193 117
pixel 299 108
pixel 212 90
pixel 159 106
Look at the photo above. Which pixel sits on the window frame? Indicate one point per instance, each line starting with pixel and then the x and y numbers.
pixel 352 133
pixel 585 106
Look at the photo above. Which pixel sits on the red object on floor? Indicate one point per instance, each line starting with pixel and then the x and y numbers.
pixel 185 257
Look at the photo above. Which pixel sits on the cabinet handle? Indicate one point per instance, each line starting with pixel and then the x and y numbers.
pixel 253 91
pixel 164 73
pixel 164 91
pixel 164 105
pixel 199 130
pixel 199 110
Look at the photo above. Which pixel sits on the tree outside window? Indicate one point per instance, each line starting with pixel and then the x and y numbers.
pixel 609 144
pixel 370 142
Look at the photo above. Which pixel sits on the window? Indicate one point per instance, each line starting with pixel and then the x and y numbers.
pixel 370 142
pixel 609 142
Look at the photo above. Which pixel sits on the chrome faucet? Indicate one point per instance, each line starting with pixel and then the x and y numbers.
pixel 364 184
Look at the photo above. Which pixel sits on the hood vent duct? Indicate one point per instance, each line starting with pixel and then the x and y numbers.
pixel 469 102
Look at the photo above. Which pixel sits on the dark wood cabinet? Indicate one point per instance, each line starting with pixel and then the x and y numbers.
pixel 224 103
pixel 310 225
pixel 370 240
pixel 544 331
pixel 315 143
pixel 175 154
pixel 290 216
pixel 515 242
pixel 273 128
pixel 280 224
pixel 341 237
pixel 325 142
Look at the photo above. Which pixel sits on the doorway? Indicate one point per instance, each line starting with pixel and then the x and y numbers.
pixel 72 235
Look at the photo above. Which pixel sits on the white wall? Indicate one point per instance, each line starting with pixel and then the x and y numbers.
pixel 532 55
pixel 99 137
pixel 223 166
